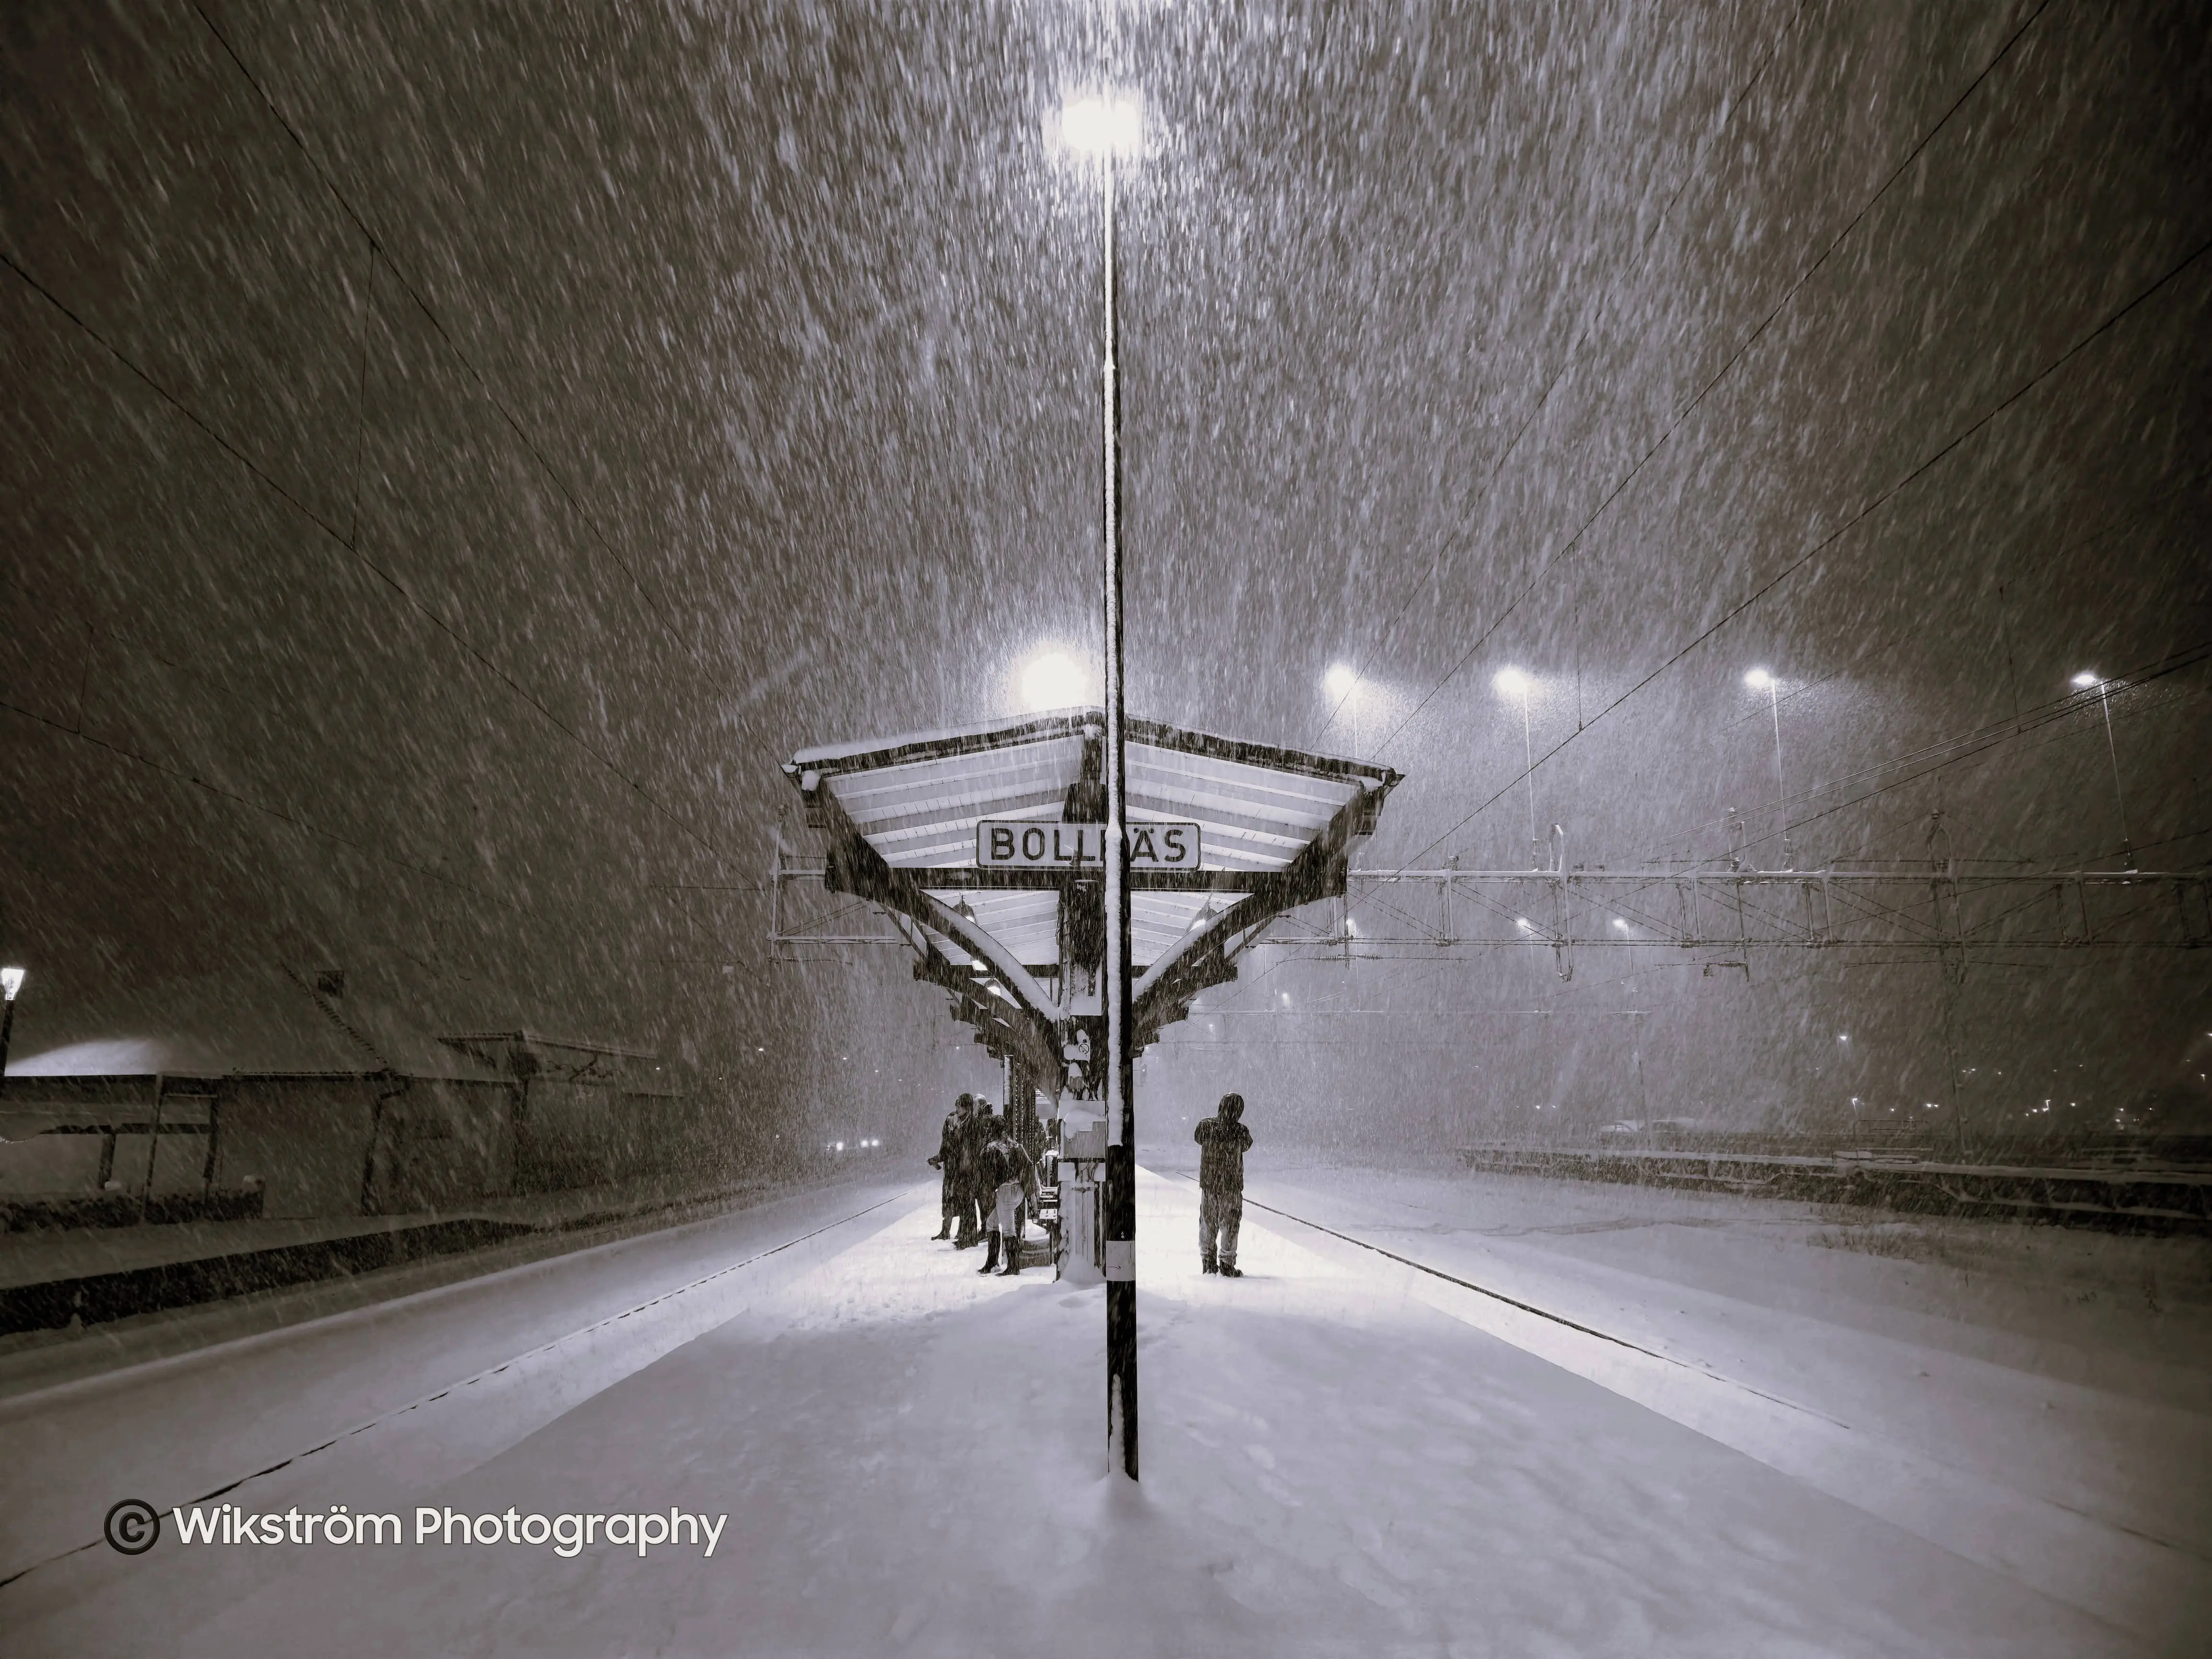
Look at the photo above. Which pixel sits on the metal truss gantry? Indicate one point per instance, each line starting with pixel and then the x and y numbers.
pixel 1918 911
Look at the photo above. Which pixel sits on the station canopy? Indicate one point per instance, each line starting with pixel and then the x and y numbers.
pixel 900 818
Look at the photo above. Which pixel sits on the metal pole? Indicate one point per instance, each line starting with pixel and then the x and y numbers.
pixel 1120 1195
pixel 1781 789
pixel 1528 770
pixel 2127 845
pixel 7 1031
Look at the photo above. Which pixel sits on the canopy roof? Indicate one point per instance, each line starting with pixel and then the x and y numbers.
pixel 902 814
pixel 917 800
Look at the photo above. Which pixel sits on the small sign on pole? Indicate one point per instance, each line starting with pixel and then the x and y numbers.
pixel 1030 844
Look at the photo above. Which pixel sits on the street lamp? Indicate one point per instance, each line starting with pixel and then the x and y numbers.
pixel 1104 128
pixel 11 984
pixel 1342 683
pixel 1512 682
pixel 2084 681
pixel 1051 679
pixel 1759 680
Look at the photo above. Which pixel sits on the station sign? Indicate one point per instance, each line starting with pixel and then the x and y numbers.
pixel 1032 844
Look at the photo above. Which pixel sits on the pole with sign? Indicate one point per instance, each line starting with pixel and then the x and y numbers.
pixel 1121 1194
pixel 1103 126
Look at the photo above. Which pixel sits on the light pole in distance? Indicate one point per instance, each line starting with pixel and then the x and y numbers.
pixel 1759 680
pixel 11 985
pixel 2084 681
pixel 1512 682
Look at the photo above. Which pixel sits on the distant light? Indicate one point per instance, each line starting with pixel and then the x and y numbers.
pixel 1286 998
pixel 841 1146
pixel 1053 679
pixel 2085 679
pixel 11 981
pixel 1512 682
pixel 1102 126
pixel 1759 680
pixel 1524 924
pixel 1843 1036
pixel 1618 923
pixel 1341 681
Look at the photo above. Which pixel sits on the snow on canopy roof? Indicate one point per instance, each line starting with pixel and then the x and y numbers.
pixel 916 799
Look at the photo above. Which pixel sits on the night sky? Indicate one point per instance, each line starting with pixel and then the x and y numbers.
pixel 453 456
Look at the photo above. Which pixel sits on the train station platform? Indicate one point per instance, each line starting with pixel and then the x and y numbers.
pixel 911 1460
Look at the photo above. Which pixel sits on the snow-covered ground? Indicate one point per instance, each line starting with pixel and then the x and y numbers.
pixel 2037 1399
pixel 912 1460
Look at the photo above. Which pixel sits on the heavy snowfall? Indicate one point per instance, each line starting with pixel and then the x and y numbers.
pixel 1105 829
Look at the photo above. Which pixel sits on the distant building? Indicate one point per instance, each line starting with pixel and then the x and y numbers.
pixel 512 1112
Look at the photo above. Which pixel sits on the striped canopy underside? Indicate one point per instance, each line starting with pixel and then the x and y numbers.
pixel 922 815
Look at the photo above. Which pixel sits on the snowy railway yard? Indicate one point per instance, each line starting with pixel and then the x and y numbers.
pixel 722 727
pixel 1663 1423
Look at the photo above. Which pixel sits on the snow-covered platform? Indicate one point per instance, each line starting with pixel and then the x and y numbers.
pixel 912 1459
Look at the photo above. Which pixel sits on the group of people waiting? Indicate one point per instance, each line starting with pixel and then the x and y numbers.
pixel 989 1181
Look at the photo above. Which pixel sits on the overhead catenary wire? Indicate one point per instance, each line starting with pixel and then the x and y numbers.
pixel 1805 557
pixel 1732 107
pixel 1752 338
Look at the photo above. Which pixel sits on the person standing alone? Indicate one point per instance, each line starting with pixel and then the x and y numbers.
pixel 1222 1140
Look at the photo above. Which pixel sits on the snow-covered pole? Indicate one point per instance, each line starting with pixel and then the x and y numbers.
pixel 1121 1194
pixel 1102 126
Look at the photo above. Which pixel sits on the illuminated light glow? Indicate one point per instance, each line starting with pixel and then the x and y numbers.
pixel 11 981
pixel 1843 1036
pixel 1053 679
pixel 1340 681
pixel 1524 924
pixel 1618 923
pixel 1759 680
pixel 2086 680
pixel 1102 126
pixel 1512 682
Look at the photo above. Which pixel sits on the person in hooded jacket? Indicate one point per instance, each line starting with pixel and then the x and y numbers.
pixel 950 1142
pixel 1012 1177
pixel 1222 1140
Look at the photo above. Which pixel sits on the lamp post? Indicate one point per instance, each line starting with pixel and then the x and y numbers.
pixel 2084 682
pixel 11 984
pixel 1512 682
pixel 1102 128
pixel 1759 680
pixel 1342 683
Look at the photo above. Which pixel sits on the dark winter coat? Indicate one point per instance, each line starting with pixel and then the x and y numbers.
pixel 1222 1144
pixel 949 1145
pixel 965 1146
pixel 1004 1160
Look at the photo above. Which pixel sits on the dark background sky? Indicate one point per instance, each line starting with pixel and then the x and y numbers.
pixel 453 455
